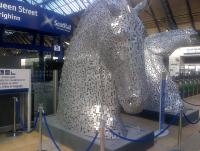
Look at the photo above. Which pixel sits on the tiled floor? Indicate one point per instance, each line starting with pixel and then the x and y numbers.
pixel 26 142
pixel 29 142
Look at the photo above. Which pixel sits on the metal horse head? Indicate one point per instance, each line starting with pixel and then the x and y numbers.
pixel 124 55
pixel 101 68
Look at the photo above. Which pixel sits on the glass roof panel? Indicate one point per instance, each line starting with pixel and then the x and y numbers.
pixel 63 7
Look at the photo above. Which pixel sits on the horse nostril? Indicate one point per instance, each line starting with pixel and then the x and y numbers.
pixel 133 104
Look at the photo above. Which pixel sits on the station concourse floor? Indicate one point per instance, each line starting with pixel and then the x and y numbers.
pixel 29 142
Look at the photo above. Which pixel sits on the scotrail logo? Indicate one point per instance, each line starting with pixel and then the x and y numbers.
pixel 62 26
pixel 53 23
pixel 48 21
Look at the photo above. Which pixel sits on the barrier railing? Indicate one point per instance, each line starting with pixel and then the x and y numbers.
pixel 49 132
pixel 144 139
pixel 42 114
pixel 185 116
pixel 191 103
pixel 93 141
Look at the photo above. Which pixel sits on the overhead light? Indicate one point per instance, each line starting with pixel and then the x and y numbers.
pixel 55 58
pixel 9 32
pixel 23 62
pixel 67 43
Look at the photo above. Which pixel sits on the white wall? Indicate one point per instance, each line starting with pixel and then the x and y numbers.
pixel 175 58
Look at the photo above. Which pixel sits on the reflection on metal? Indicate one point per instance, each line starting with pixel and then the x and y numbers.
pixel 104 68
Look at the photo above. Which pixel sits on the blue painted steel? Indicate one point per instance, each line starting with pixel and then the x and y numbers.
pixel 19 14
pixel 162 103
pixel 26 47
pixel 13 91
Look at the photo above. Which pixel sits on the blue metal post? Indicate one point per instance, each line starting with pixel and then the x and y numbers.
pixel 162 101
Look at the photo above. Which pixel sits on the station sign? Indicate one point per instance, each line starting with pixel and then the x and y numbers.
pixel 21 14
pixel 15 79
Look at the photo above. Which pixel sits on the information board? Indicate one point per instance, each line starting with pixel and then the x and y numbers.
pixel 20 14
pixel 15 79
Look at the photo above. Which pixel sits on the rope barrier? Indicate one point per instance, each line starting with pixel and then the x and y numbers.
pixel 189 121
pixel 92 143
pixel 53 140
pixel 36 120
pixel 147 138
pixel 144 139
pixel 185 116
pixel 49 132
pixel 191 103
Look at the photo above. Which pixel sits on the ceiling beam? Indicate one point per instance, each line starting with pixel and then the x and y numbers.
pixel 168 12
pixel 190 14
pixel 154 17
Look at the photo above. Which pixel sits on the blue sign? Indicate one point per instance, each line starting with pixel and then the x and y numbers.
pixel 19 14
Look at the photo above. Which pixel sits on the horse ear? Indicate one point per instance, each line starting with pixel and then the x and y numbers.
pixel 139 7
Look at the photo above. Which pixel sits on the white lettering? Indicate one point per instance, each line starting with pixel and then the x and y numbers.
pixel 7 16
pixel 8 7
pixel 62 26
pixel 23 10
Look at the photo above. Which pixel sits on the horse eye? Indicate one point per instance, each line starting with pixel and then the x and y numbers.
pixel 114 10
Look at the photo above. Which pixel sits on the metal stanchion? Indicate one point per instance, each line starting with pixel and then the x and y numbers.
pixel 163 95
pixel 41 110
pixel 102 135
pixel 179 146
pixel 55 90
pixel 180 131
pixel 197 87
pixel 14 118
pixel 14 133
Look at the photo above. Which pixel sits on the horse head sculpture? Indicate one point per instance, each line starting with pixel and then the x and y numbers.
pixel 104 68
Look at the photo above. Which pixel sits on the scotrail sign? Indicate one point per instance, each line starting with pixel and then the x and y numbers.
pixel 20 14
